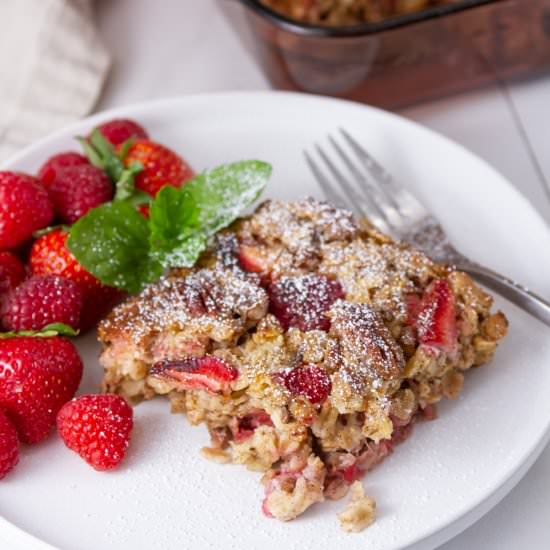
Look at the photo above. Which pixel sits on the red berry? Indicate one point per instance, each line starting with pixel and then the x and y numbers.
pixel 302 302
pixel 77 189
pixel 50 256
pixel 24 208
pixel 309 381
pixel 56 164
pixel 252 259
pixel 9 445
pixel 117 131
pixel 203 373
pixel 143 209
pixel 161 166
pixel 12 272
pixel 244 427
pixel 37 376
pixel 436 321
pixel 98 428
pixel 40 301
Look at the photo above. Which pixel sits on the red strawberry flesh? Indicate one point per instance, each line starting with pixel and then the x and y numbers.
pixel 9 445
pixel 251 258
pixel 37 376
pixel 302 302
pixel 161 166
pixel 203 373
pixel 308 381
pixel 24 208
pixel 246 425
pixel 436 321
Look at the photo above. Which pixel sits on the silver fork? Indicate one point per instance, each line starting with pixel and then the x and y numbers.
pixel 369 191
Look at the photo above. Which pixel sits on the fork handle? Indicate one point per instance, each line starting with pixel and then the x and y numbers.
pixel 513 291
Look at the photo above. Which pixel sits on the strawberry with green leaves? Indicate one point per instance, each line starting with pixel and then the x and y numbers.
pixel 161 166
pixel 138 168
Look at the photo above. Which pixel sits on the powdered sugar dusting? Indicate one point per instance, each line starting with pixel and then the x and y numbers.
pixel 171 303
pixel 369 353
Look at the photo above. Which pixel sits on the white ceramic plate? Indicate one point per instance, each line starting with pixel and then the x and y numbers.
pixel 165 495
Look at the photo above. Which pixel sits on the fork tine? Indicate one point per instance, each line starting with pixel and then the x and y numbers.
pixel 369 210
pixel 402 199
pixel 327 188
pixel 379 175
pixel 369 192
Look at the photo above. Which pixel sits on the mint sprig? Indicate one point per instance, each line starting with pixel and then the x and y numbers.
pixel 123 249
pixel 53 329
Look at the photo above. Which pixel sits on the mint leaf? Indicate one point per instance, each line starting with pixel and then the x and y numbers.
pixel 224 192
pixel 112 242
pixel 53 329
pixel 176 237
pixel 183 219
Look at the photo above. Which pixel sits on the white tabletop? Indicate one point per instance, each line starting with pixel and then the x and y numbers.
pixel 177 47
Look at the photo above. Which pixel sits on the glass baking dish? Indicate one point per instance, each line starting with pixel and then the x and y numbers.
pixel 405 59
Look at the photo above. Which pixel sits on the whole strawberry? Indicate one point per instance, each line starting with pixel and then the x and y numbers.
pixel 56 164
pixel 9 445
pixel 12 272
pixel 119 130
pixel 50 255
pixel 40 301
pixel 98 428
pixel 77 189
pixel 38 376
pixel 161 166
pixel 24 208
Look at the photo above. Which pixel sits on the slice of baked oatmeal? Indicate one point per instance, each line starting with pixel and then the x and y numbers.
pixel 309 344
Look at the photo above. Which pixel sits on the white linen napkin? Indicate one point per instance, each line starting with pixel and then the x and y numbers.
pixel 52 67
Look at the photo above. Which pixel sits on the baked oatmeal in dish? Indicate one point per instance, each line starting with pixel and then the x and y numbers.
pixel 308 343
pixel 339 13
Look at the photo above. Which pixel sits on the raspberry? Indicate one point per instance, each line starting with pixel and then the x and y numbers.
pixel 98 428
pixel 302 302
pixel 42 300
pixel 50 256
pixel 37 376
pixel 9 445
pixel 12 272
pixel 204 373
pixel 119 130
pixel 24 208
pixel 77 189
pixel 309 381
pixel 56 164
